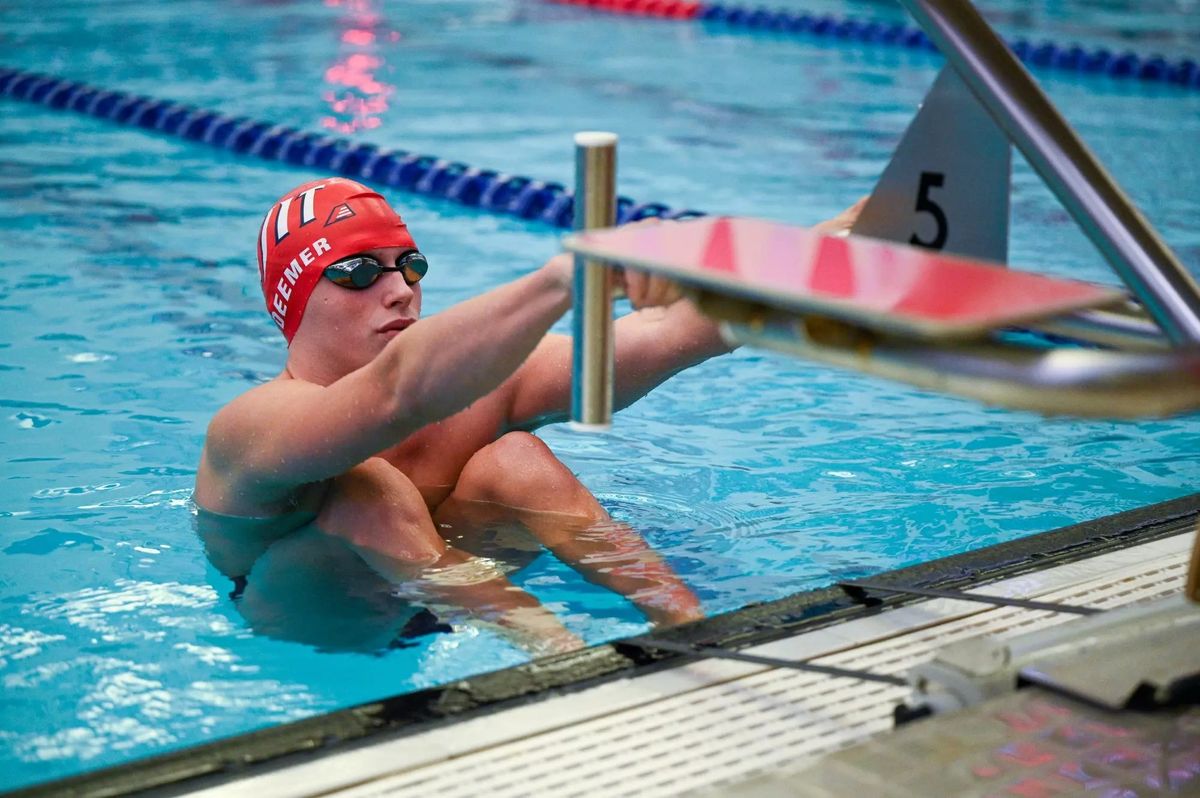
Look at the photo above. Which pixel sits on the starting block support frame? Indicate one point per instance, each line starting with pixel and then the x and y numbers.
pixel 1098 205
pixel 1157 342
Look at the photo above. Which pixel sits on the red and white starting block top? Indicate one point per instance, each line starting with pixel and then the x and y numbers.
pixel 868 282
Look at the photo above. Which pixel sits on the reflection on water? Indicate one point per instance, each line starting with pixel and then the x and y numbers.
pixel 291 580
pixel 312 588
pixel 358 97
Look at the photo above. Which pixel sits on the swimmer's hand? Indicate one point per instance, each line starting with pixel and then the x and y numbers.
pixel 649 290
pixel 840 225
pixel 646 290
pixel 561 270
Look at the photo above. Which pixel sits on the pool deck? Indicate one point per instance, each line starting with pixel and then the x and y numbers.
pixel 626 719
pixel 714 727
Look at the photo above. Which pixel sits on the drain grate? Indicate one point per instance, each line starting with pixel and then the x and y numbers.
pixel 769 720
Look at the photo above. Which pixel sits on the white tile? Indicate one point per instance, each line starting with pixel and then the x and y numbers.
pixel 670 693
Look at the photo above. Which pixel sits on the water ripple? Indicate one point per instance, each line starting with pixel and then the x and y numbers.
pixel 31 420
pixel 95 609
pixel 655 510
pixel 177 497
pixel 17 643
pixel 74 490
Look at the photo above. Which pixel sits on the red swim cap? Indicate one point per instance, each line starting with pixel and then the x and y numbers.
pixel 309 228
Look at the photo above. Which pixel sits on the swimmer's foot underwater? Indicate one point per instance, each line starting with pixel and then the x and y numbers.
pixel 605 552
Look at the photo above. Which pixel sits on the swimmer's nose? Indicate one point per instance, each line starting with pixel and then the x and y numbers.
pixel 396 291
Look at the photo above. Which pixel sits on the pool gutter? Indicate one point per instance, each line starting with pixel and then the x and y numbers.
pixel 288 744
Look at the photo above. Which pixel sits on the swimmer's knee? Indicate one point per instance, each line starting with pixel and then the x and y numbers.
pixel 514 470
pixel 375 506
pixel 517 457
pixel 518 447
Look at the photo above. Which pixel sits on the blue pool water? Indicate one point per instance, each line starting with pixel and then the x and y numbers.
pixel 129 313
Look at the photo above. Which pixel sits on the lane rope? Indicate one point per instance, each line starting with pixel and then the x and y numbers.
pixel 486 189
pixel 1183 72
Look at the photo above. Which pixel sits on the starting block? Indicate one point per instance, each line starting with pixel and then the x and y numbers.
pixel 934 320
pixel 919 291
pixel 865 282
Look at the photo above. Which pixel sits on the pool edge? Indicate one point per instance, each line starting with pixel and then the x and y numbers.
pixel 259 751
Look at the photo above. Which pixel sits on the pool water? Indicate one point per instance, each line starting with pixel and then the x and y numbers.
pixel 129 312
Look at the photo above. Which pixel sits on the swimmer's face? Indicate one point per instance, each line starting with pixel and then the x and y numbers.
pixel 351 325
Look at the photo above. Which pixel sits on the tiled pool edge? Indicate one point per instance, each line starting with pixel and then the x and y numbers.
pixel 407 714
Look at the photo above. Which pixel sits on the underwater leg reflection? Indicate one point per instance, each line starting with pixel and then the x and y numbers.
pixel 366 572
pixel 341 581
pixel 319 589
pixel 312 588
pixel 515 496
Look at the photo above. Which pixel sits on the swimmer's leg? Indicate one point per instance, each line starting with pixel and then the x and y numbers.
pixel 519 473
pixel 313 588
pixel 378 511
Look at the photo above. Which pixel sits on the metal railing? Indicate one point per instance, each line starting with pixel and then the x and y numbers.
pixel 593 353
pixel 1086 190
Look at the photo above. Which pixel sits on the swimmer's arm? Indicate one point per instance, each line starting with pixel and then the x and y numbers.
pixel 666 336
pixel 840 225
pixel 288 433
pixel 651 345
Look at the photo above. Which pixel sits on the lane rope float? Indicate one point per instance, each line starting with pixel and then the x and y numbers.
pixel 1183 72
pixel 486 189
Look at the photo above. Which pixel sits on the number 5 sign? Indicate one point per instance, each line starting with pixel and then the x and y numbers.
pixel 947 185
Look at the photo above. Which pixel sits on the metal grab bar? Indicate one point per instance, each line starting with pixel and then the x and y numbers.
pixel 593 350
pixel 1086 190
pixel 1060 381
pixel 1128 328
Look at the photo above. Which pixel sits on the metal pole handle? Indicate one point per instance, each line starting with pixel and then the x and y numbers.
pixel 593 353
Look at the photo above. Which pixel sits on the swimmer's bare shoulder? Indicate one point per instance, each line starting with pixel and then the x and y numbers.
pixel 284 435
pixel 243 467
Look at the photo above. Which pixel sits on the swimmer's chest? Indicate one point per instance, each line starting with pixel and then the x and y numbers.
pixel 435 455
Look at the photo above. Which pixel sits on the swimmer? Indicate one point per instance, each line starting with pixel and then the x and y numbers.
pixel 385 429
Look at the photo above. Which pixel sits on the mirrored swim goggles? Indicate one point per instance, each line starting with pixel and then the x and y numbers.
pixel 361 271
